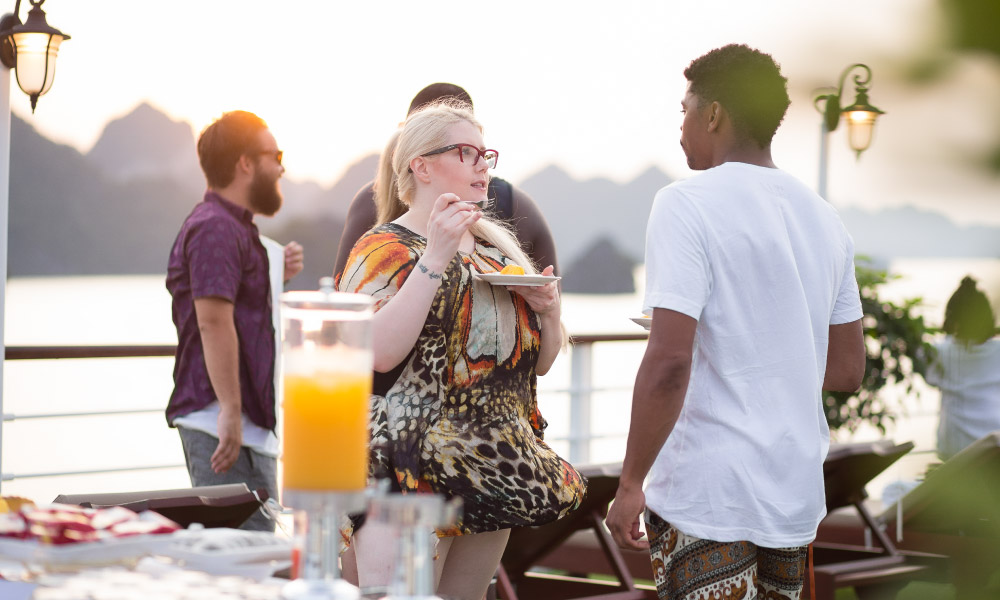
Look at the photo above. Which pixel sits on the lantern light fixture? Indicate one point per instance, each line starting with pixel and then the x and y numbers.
pixel 30 49
pixel 860 116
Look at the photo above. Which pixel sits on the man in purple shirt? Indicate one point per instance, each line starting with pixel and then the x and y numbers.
pixel 218 276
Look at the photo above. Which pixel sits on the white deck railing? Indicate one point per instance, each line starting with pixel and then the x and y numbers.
pixel 583 426
pixel 581 392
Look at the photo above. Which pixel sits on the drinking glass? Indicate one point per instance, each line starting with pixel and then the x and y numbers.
pixel 412 519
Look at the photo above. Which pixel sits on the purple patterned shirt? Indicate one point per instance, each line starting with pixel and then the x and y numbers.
pixel 218 253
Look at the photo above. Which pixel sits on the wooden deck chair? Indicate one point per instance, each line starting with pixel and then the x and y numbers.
pixel 843 553
pixel 955 511
pixel 531 546
pixel 959 496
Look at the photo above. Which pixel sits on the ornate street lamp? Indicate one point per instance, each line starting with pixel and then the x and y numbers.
pixel 30 49
pixel 860 116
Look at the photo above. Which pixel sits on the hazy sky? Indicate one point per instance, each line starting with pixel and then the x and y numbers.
pixel 591 86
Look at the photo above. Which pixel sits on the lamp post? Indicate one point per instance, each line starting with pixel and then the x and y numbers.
pixel 860 117
pixel 30 49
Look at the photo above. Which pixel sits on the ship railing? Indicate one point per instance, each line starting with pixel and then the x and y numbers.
pixel 581 393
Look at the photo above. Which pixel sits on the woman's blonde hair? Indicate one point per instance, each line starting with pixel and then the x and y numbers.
pixel 395 185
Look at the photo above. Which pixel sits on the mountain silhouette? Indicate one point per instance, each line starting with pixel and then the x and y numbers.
pixel 147 144
pixel 117 208
pixel 319 236
pixel 911 232
pixel 338 198
pixel 601 269
pixel 581 212
pixel 68 218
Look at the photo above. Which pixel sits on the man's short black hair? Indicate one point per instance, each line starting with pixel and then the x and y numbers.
pixel 436 92
pixel 747 83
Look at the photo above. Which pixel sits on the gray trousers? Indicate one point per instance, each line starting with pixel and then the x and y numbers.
pixel 251 468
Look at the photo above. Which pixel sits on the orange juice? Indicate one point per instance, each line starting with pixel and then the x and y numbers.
pixel 325 433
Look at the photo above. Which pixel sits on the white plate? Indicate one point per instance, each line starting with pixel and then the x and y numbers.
pixel 527 280
pixel 221 547
pixel 646 322
pixel 104 552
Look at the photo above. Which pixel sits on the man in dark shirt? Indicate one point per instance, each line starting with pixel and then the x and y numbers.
pixel 218 276
pixel 507 202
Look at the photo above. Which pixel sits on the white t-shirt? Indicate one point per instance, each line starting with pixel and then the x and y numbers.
pixel 765 266
pixel 260 440
pixel 969 380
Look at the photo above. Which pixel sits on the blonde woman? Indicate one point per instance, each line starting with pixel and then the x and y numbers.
pixel 461 417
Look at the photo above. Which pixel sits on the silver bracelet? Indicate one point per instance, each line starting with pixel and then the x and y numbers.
pixel 427 271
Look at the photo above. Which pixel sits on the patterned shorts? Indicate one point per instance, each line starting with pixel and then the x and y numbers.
pixel 689 568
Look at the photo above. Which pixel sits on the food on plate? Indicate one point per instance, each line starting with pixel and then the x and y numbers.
pixel 146 522
pixel 512 270
pixel 12 525
pixel 68 523
pixel 60 524
pixel 13 503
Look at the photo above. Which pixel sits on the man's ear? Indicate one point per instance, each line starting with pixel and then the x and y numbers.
pixel 245 164
pixel 418 166
pixel 715 112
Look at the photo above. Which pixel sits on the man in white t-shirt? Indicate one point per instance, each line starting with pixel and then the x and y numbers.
pixel 750 283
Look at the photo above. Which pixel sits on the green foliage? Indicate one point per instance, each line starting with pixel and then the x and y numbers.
pixel 896 339
pixel 993 160
pixel 972 24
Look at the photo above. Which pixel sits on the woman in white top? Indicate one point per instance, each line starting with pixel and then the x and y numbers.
pixel 967 371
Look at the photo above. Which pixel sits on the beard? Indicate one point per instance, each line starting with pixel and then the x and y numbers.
pixel 265 197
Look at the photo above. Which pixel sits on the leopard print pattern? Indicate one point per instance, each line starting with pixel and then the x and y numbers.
pixel 462 420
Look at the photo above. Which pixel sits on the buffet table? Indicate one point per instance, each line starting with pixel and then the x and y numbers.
pixel 151 578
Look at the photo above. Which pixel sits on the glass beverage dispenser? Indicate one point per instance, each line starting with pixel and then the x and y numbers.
pixel 327 378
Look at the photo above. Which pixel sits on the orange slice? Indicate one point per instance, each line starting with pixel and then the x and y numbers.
pixel 13 503
pixel 512 270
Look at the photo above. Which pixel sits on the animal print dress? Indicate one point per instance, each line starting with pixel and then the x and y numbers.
pixel 462 419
